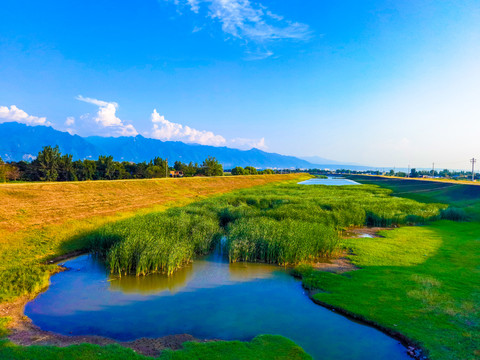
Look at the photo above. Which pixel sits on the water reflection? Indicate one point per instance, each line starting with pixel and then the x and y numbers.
pixel 210 299
pixel 208 272
pixel 330 181
pixel 153 283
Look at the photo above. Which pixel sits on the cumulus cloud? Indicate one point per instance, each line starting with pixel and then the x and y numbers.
pixel 167 130
pixel 15 114
pixel 243 143
pixel 70 121
pixel 251 22
pixel 106 117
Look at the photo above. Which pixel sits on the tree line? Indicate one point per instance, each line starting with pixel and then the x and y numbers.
pixel 52 165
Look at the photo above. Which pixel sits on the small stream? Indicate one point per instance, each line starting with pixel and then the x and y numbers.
pixel 209 299
pixel 330 181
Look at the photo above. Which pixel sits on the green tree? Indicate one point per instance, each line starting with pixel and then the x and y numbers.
pixel 120 172
pixel 66 169
pixel 48 162
pixel 191 169
pixel 88 170
pixel 130 168
pixel 211 167
pixel 155 171
pixel 161 169
pixel 3 171
pixel 141 171
pixel 250 170
pixel 179 166
pixel 238 170
pixel 105 167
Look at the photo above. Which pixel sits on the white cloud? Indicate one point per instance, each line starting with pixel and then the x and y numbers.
pixel 251 22
pixel 243 143
pixel 70 121
pixel 194 5
pixel 167 130
pixel 106 117
pixel 15 114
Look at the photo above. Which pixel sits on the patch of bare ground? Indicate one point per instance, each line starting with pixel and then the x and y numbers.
pixel 365 232
pixel 341 263
pixel 337 265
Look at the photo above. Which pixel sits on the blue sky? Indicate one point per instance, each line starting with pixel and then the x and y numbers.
pixel 384 83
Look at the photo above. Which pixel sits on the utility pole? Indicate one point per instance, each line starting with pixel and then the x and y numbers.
pixel 473 161
pixel 408 172
pixel 433 170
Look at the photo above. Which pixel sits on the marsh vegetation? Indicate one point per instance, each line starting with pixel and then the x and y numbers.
pixel 284 224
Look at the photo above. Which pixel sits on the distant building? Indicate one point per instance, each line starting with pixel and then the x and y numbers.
pixel 176 174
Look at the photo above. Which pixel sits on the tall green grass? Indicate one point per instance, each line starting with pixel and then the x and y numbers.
pixel 160 242
pixel 282 224
pixel 280 242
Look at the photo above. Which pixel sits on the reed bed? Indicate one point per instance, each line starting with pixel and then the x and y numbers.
pixel 161 242
pixel 283 224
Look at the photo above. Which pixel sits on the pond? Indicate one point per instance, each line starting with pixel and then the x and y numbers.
pixel 330 181
pixel 209 299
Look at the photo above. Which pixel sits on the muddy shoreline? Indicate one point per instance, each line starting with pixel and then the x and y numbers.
pixel 23 332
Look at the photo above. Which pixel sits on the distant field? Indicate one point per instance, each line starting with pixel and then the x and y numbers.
pixel 420 281
pixel 462 195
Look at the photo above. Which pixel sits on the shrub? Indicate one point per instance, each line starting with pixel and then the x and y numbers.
pixel 452 213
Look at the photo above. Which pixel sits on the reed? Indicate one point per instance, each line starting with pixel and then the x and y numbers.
pixel 283 224
pixel 160 242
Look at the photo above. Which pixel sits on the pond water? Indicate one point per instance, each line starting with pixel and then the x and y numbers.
pixel 209 299
pixel 331 181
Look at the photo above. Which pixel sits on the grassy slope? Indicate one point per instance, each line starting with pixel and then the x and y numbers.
pixel 42 220
pixel 261 347
pixel 421 281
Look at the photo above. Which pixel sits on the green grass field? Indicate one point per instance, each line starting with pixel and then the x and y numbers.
pixel 282 224
pixel 261 347
pixel 458 195
pixel 423 282
pixel 43 220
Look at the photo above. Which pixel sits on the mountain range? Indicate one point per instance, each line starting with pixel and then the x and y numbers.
pixel 21 142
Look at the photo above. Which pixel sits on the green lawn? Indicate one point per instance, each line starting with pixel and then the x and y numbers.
pixel 423 281
pixel 262 347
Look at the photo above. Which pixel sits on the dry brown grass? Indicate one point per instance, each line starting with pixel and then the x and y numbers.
pixel 36 218
pixel 38 204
